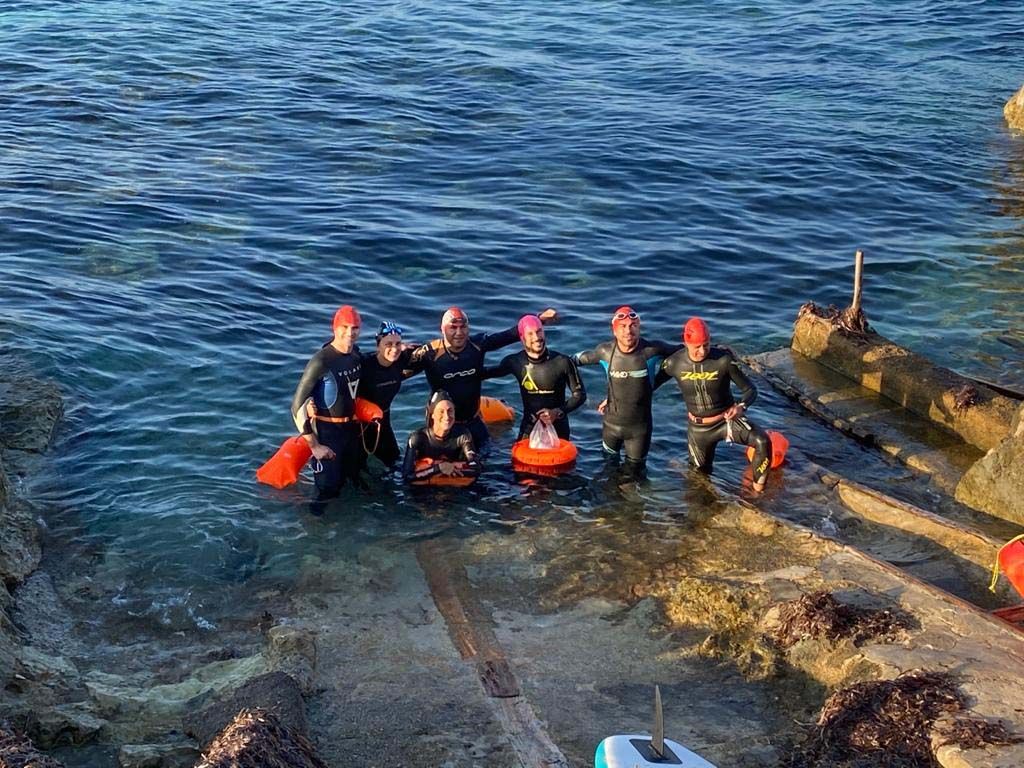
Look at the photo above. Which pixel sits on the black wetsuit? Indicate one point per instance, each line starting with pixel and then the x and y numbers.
pixel 461 373
pixel 458 446
pixel 331 382
pixel 542 384
pixel 627 420
pixel 707 392
pixel 379 384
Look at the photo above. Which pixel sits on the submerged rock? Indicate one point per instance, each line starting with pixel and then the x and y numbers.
pixel 174 755
pixel 257 739
pixel 1014 110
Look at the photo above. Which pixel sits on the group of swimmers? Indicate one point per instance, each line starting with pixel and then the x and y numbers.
pixel 324 406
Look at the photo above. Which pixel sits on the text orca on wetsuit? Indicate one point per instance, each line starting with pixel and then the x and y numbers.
pixel 455 363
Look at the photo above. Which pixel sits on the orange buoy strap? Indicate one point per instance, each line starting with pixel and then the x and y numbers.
pixel 995 565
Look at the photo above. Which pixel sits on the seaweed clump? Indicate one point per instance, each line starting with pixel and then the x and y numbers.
pixel 257 739
pixel 889 724
pixel 852 321
pixel 819 615
pixel 965 397
pixel 16 751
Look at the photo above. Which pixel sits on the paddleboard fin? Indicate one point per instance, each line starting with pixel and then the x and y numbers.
pixel 658 731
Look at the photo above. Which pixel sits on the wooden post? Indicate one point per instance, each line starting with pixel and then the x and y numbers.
pixel 858 274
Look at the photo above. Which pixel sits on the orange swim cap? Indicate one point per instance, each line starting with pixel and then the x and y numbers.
pixel 696 331
pixel 346 315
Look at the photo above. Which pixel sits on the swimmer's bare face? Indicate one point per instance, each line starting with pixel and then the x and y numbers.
pixel 533 341
pixel 389 349
pixel 345 337
pixel 444 418
pixel 456 334
pixel 627 333
pixel 698 352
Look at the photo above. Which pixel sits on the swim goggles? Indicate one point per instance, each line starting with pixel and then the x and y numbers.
pixel 387 328
pixel 625 316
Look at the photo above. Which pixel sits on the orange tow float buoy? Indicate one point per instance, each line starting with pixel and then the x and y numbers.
pixel 459 481
pixel 283 468
pixel 543 461
pixel 779 446
pixel 1011 561
pixel 493 410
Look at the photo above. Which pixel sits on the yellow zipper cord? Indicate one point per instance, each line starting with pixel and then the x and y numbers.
pixel 362 436
pixel 995 565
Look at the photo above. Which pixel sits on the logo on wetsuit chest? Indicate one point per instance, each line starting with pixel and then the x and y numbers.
pixel 640 374
pixel 699 376
pixel 456 374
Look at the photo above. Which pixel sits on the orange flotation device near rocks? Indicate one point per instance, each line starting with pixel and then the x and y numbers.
pixel 283 468
pixel 457 480
pixel 543 461
pixel 1011 561
pixel 493 410
pixel 779 446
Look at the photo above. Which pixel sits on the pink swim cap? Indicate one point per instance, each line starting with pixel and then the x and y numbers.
pixel 528 323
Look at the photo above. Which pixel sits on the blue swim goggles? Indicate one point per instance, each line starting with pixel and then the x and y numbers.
pixel 387 328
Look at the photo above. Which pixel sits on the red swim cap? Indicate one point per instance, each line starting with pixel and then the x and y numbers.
pixel 624 315
pixel 450 316
pixel 696 331
pixel 347 315
pixel 528 323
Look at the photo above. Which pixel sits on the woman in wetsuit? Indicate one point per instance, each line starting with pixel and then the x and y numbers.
pixel 631 363
pixel 448 445
pixel 383 373
pixel 705 374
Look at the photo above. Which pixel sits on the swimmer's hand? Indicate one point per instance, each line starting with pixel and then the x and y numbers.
pixel 549 415
pixel 448 469
pixel 602 406
pixel 548 316
pixel 321 452
pixel 735 412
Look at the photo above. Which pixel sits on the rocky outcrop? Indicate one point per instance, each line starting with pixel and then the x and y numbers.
pixel 257 739
pixel 16 751
pixel 274 692
pixel 995 484
pixel 983 419
pixel 1014 110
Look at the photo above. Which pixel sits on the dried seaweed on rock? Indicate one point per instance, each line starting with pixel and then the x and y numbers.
pixel 819 615
pixel 888 724
pixel 971 733
pixel 850 321
pixel 257 739
pixel 16 751
pixel 965 397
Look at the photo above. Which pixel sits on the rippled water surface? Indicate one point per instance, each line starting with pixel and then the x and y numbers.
pixel 188 191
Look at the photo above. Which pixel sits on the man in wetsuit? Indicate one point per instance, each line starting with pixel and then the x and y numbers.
pixel 382 377
pixel 324 408
pixel 704 374
pixel 631 363
pixel 455 363
pixel 543 377
pixel 448 445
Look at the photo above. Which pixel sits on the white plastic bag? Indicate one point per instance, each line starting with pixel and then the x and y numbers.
pixel 543 436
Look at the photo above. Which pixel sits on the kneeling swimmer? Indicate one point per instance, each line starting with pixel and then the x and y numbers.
pixel 442 452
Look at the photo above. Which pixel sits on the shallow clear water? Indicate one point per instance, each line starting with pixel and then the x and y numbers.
pixel 188 192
